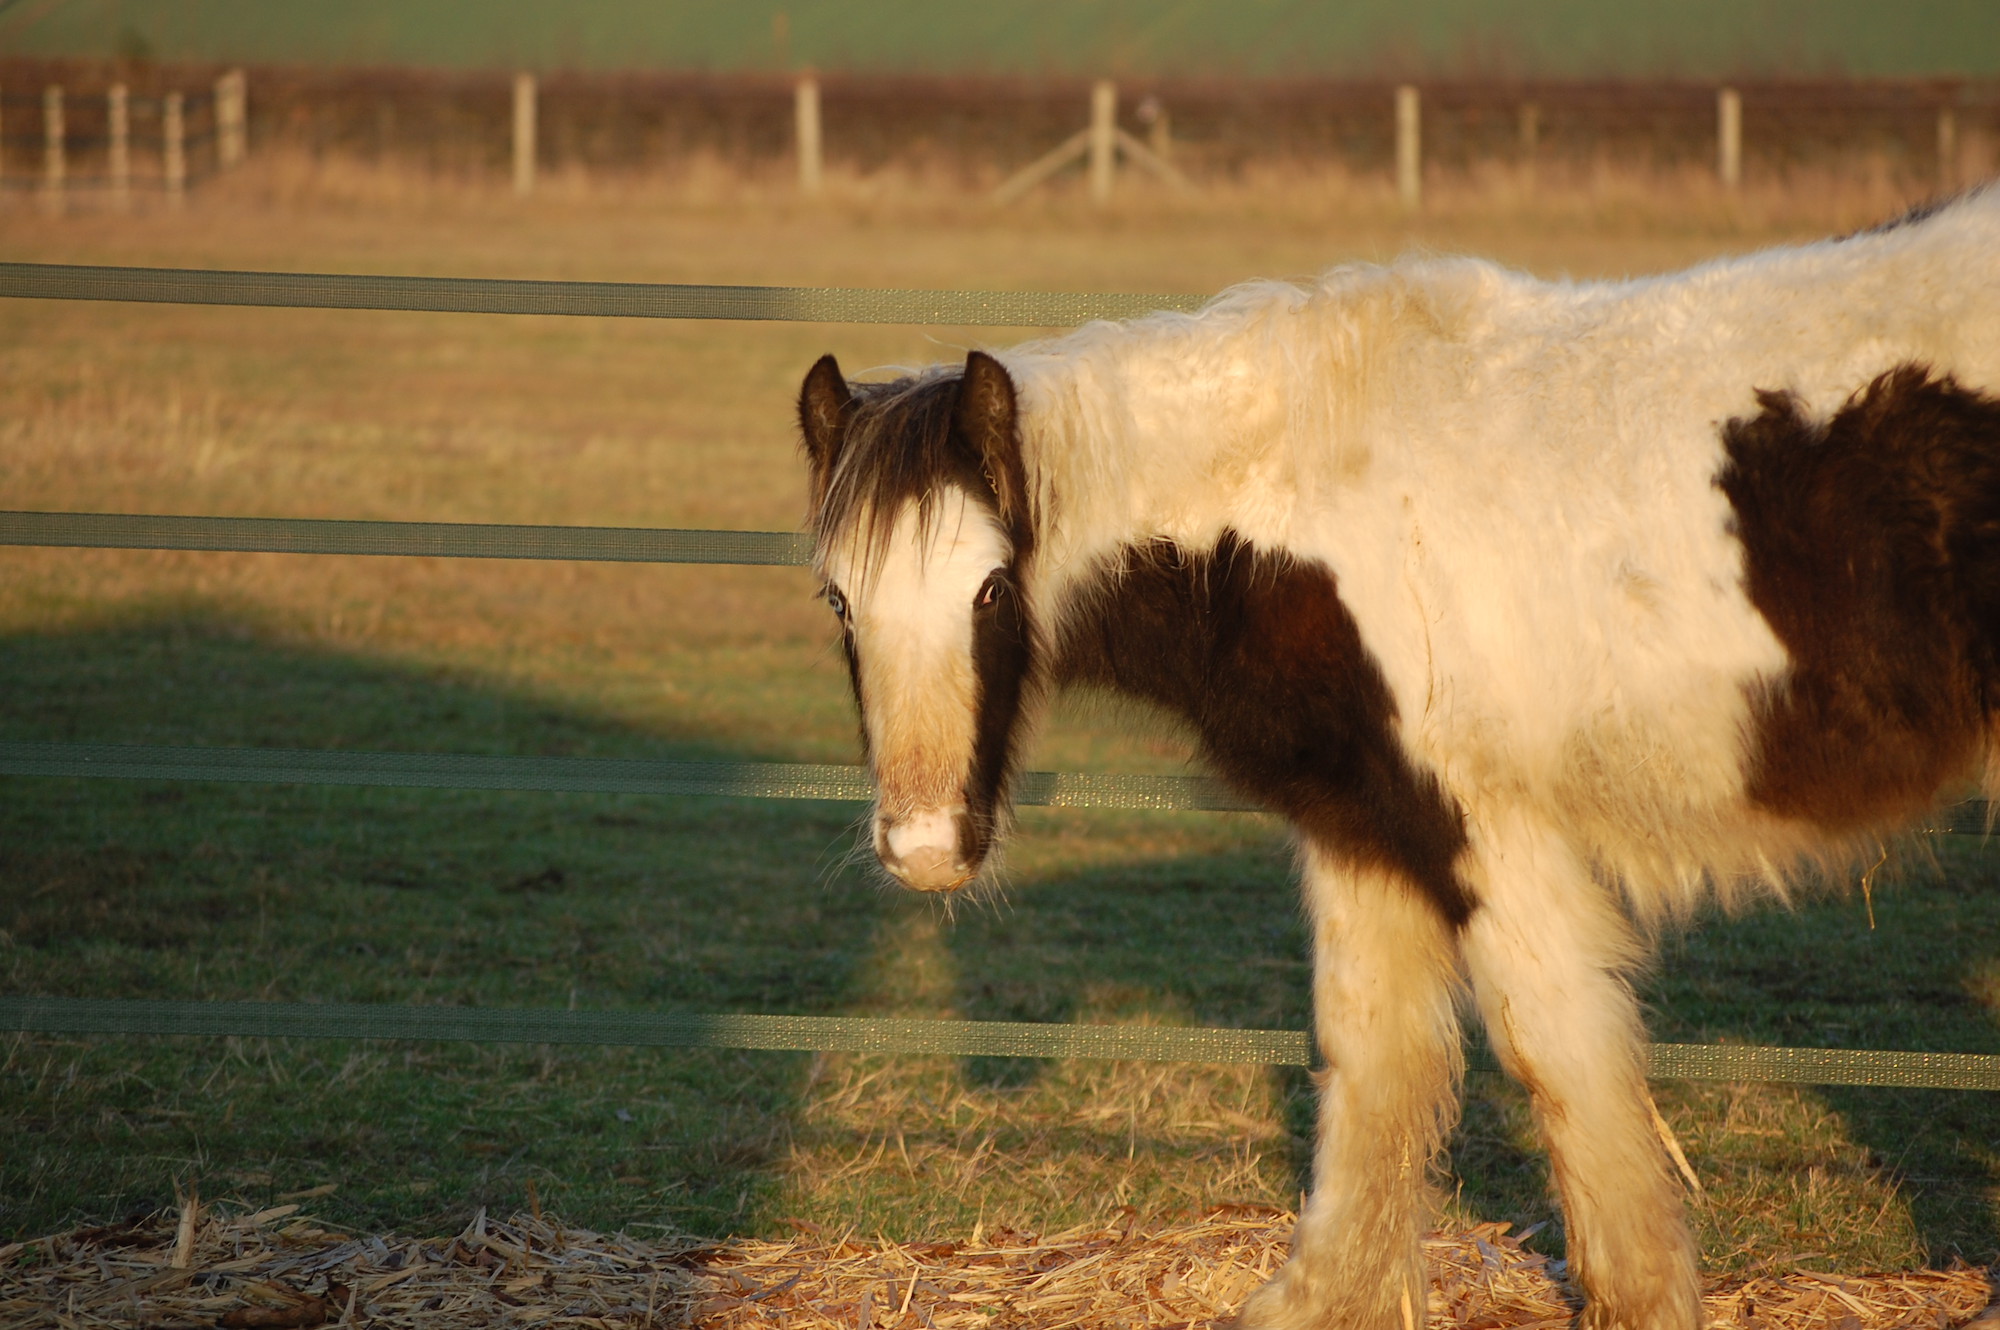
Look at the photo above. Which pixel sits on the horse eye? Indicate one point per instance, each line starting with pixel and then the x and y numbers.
pixel 837 603
pixel 990 592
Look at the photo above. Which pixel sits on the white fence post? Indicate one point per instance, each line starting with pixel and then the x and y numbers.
pixel 805 120
pixel 1159 130
pixel 524 134
pixel 174 132
pixel 1409 147
pixel 1729 137
pixel 55 167
pixel 117 107
pixel 232 138
pixel 1530 126
pixel 1103 139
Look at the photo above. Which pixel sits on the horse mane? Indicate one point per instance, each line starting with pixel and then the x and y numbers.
pixel 899 448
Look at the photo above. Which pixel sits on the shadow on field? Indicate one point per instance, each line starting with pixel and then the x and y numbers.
pixel 1916 968
pixel 112 888
pixel 117 888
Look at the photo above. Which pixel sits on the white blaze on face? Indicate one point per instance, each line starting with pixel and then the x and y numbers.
pixel 911 616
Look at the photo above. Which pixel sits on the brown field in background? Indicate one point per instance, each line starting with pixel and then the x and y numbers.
pixel 474 418
pixel 311 413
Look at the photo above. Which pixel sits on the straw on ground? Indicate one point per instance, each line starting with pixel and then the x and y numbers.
pixel 277 1268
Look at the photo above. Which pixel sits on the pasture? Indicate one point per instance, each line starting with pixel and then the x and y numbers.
pixel 138 889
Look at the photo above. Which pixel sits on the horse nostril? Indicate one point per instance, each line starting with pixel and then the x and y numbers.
pixel 922 850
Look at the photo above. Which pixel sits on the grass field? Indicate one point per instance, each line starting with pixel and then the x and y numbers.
pixel 1703 38
pixel 137 889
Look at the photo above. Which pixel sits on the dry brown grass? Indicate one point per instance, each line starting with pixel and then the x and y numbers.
pixel 940 1145
pixel 276 1268
pixel 1494 195
pixel 333 413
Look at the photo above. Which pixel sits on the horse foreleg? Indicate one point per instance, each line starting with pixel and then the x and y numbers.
pixel 1547 948
pixel 1385 982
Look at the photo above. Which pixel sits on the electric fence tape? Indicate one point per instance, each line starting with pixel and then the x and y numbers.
pixel 628 300
pixel 759 780
pixel 901 1036
pixel 582 775
pixel 463 540
pixel 622 775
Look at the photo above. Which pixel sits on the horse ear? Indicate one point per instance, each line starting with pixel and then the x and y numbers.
pixel 987 416
pixel 823 405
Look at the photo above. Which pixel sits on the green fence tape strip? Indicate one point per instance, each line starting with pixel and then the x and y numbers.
pixel 617 775
pixel 641 300
pixel 850 1034
pixel 463 771
pixel 461 540
pixel 891 1035
pixel 767 780
pixel 614 775
pixel 1826 1066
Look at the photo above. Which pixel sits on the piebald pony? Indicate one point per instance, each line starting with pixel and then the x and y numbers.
pixel 1543 611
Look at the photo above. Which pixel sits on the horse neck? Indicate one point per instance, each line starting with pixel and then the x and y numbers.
pixel 1176 427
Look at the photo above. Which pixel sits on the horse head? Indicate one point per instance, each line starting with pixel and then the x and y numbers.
pixel 919 507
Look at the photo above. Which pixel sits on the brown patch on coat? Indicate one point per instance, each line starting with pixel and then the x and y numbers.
pixel 1258 653
pixel 1872 547
pixel 1003 667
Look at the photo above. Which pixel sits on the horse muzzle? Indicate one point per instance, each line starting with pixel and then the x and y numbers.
pixel 925 851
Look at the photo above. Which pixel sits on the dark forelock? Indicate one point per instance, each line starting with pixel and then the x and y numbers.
pixel 900 446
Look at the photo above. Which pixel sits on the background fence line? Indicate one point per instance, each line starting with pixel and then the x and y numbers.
pixel 496 122
pixel 111 114
pixel 57 1015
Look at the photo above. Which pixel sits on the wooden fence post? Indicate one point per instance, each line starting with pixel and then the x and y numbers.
pixel 1097 145
pixel 1159 129
pixel 1729 137
pixel 173 130
pixel 805 119
pixel 232 123
pixel 1409 148
pixel 117 107
pixel 524 134
pixel 54 164
pixel 1103 139
pixel 1530 118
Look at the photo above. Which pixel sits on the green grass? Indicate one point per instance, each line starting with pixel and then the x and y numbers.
pixel 1368 38
pixel 151 889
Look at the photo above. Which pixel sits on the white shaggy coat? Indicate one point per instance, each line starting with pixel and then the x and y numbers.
pixel 1513 481
pixel 1514 485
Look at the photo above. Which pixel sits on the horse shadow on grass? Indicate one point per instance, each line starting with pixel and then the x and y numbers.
pixel 117 888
